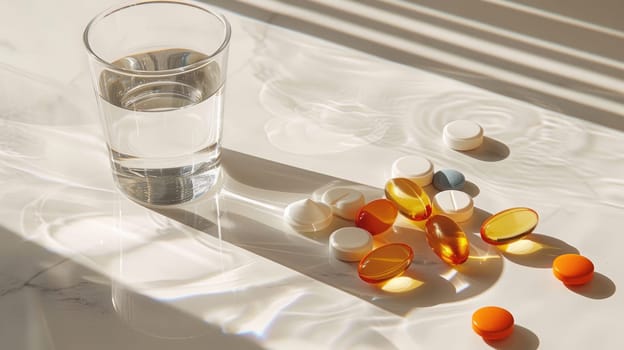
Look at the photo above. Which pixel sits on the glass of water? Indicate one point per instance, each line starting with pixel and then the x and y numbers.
pixel 158 70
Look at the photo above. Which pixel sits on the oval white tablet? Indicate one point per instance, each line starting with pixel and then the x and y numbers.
pixel 463 135
pixel 350 243
pixel 345 202
pixel 415 168
pixel 457 205
pixel 307 215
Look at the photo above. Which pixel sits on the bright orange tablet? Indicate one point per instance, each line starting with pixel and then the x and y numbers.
pixel 573 269
pixel 377 216
pixel 493 323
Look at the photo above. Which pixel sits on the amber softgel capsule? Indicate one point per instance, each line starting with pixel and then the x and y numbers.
pixel 385 262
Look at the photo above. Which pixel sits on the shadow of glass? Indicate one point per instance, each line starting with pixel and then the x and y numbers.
pixel 254 172
pixel 521 339
pixel 600 287
pixel 536 250
pixel 491 150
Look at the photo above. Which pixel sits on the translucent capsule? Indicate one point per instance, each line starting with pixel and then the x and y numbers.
pixel 385 262
pixel 376 216
pixel 509 225
pixel 493 323
pixel 447 239
pixel 410 198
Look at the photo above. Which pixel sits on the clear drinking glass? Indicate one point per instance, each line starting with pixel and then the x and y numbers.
pixel 158 70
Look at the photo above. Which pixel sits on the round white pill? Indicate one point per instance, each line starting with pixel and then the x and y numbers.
pixel 455 204
pixel 415 168
pixel 345 202
pixel 350 243
pixel 307 215
pixel 463 135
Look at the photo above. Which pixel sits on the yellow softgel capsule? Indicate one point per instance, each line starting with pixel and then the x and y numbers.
pixel 409 198
pixel 447 239
pixel 509 225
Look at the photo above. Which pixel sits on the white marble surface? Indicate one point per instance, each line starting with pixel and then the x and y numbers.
pixel 83 267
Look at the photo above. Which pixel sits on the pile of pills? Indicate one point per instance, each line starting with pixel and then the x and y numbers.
pixel 404 195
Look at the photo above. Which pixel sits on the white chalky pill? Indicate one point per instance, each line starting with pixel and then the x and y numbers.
pixel 350 243
pixel 457 205
pixel 345 202
pixel 307 215
pixel 463 135
pixel 415 168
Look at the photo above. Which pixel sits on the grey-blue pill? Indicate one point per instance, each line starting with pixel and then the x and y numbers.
pixel 448 179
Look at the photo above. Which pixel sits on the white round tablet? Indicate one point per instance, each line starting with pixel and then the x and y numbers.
pixel 463 135
pixel 307 215
pixel 415 168
pixel 455 204
pixel 345 202
pixel 350 243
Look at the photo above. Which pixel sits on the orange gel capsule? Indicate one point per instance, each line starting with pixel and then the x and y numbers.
pixel 447 239
pixel 509 225
pixel 385 262
pixel 376 216
pixel 493 323
pixel 410 198
pixel 573 269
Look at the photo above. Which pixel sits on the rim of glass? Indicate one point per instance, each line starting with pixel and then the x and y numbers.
pixel 123 6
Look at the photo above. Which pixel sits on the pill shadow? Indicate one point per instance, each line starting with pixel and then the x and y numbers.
pixel 600 287
pixel 491 150
pixel 472 227
pixel 471 189
pixel 536 250
pixel 522 338
pixel 441 282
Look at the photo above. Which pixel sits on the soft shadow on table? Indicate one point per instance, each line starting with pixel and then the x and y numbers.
pixel 491 150
pixel 600 287
pixel 482 21
pixel 242 216
pixel 521 339
pixel 537 250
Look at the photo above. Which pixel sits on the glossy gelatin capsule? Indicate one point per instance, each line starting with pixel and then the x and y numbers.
pixel 377 216
pixel 573 269
pixel 385 262
pixel 493 323
pixel 447 239
pixel 410 198
pixel 509 225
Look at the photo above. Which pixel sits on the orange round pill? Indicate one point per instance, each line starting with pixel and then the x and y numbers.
pixel 377 216
pixel 493 323
pixel 573 269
